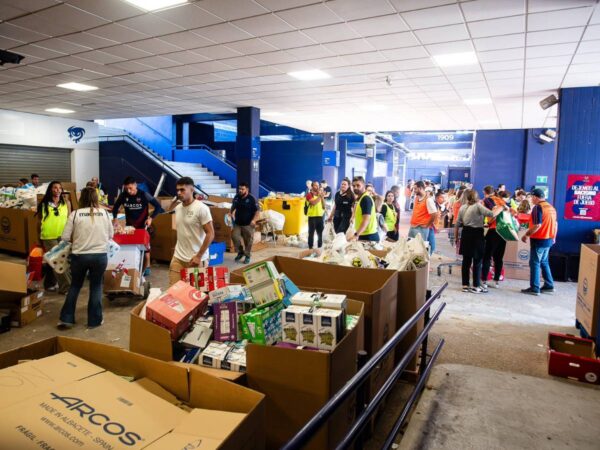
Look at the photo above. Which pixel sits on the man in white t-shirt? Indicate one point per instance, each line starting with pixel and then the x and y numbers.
pixel 195 231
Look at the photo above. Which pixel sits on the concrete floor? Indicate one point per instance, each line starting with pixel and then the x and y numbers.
pixel 502 330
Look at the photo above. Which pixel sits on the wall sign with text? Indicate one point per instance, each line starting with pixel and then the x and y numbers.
pixel 583 197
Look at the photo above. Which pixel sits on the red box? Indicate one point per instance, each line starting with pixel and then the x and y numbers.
pixel 177 309
pixel 573 357
pixel 140 238
pixel 206 279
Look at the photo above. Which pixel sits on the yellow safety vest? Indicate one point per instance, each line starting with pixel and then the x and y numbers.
pixel 372 227
pixel 53 225
pixel 315 210
pixel 390 217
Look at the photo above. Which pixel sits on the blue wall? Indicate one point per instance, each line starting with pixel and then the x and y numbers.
pixel 540 160
pixel 155 132
pixel 499 157
pixel 578 153
pixel 355 165
pixel 286 165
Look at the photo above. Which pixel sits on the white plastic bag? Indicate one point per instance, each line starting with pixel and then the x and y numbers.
pixel 328 233
pixel 275 219
pixel 339 242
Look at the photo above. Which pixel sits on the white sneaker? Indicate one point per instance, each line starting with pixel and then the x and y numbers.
pixel 484 286
pixel 497 284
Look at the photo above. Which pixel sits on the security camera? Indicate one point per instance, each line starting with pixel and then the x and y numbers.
pixel 550 133
pixel 545 138
pixel 549 101
pixel 10 57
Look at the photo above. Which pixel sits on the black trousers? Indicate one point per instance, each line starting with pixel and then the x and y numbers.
pixel 315 224
pixel 341 223
pixel 471 248
pixel 495 247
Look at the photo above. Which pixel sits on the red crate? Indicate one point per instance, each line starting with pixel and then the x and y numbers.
pixel 139 237
pixel 573 357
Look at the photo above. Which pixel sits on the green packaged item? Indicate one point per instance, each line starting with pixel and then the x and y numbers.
pixel 263 325
pixel 507 227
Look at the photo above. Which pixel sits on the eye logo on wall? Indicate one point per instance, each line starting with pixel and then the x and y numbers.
pixel 76 133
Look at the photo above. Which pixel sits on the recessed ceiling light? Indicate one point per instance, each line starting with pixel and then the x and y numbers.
pixel 308 75
pixel 60 110
pixel 77 87
pixel 478 101
pixel 153 5
pixel 455 59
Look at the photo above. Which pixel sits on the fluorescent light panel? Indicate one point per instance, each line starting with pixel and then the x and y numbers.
pixel 77 87
pixel 456 59
pixel 309 75
pixel 153 5
pixel 60 110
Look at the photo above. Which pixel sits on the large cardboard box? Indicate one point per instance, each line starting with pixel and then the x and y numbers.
pixel 78 385
pixel 18 230
pixel 25 305
pixel 377 289
pixel 222 231
pixel 122 281
pixel 164 238
pixel 587 310
pixel 516 259
pixel 147 338
pixel 297 383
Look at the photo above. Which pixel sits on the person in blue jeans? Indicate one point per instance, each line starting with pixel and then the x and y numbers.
pixel 89 230
pixel 542 233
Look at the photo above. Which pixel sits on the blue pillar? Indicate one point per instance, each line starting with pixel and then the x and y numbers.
pixel 331 159
pixel 578 153
pixel 342 170
pixel 371 152
pixel 247 147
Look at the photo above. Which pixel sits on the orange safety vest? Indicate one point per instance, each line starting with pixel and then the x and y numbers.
pixel 455 209
pixel 420 216
pixel 549 226
pixel 498 202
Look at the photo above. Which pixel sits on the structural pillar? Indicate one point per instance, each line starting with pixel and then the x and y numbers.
pixel 331 159
pixel 371 153
pixel 247 147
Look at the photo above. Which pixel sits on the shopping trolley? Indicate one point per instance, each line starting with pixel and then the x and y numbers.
pixel 124 275
pixel 456 244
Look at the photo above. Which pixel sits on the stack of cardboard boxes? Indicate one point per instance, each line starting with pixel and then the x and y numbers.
pixel 587 309
pixel 20 300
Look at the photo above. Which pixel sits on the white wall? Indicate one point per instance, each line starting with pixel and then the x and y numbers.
pixel 45 131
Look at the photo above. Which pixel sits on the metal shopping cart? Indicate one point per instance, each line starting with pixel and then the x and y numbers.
pixel 124 275
pixel 456 244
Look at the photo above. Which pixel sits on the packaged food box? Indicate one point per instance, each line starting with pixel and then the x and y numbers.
pixel 233 292
pixel 206 279
pixel 330 327
pixel 214 354
pixel 291 318
pixel 262 325
pixel 332 301
pixel 308 329
pixel 267 292
pixel 259 273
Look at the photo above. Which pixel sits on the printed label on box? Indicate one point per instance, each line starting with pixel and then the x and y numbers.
pixel 125 281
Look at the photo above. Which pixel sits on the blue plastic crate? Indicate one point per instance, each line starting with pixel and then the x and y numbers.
pixel 216 253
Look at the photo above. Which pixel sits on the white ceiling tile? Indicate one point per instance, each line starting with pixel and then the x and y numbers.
pixel 292 39
pixel 331 33
pixel 251 46
pixel 574 79
pixel 118 33
pixel 183 40
pixel 125 52
pixel 89 40
pixel 548 62
pixel 421 73
pixel 108 9
pixel 505 74
pixel 263 25
pixel 409 5
pixel 309 16
pixel 374 26
pixel 491 9
pixel 242 62
pixel 6 43
pixel 405 53
pixel 233 9
pixel 59 20
pixel 360 9
pixel 592 32
pixel 62 45
pixel 279 57
pixel 502 65
pixel 20 34
pixel 433 17
pixel 549 5
pixel 554 36
pixel 502 55
pixel 450 47
pixel 584 58
pixel 420 63
pixel 551 50
pixel 443 34
pixel 151 25
pixel 365 58
pixel 548 72
pixel 477 76
pixel 222 33
pixel 217 52
pixel 496 27
pixel 188 16
pixel 500 42
pixel 458 70
pixel 586 68
pixel 595 16
pixel 38 52
pixel 349 47
pixel 396 40
pixel 310 52
pixel 100 57
pixel 158 62
pixel 558 19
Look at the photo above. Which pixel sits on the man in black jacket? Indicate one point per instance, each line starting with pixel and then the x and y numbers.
pixel 244 211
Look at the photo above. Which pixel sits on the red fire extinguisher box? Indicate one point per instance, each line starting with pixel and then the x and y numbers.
pixel 573 358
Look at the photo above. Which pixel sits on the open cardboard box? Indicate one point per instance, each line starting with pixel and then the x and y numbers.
pixel 25 304
pixel 164 237
pixel 147 338
pixel 377 289
pixel 18 230
pixel 587 310
pixel 297 383
pixel 212 423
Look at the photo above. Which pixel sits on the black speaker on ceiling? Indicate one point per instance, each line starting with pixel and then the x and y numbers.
pixel 549 101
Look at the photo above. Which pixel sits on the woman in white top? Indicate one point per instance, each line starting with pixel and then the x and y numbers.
pixel 88 229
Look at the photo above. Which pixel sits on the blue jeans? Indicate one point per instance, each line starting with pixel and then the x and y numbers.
pixel 431 240
pixel 369 237
pixel 539 259
pixel 95 264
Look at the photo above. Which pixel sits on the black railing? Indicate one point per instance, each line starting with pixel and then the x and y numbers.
pixel 357 382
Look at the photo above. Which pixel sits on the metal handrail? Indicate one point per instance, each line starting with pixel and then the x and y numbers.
pixel 149 153
pixel 325 413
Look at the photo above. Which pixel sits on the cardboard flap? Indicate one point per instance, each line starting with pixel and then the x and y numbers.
pixel 13 280
pixel 210 424
pixel 148 338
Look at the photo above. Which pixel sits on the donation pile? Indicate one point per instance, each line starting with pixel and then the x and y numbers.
pixel 22 197
pixel 211 321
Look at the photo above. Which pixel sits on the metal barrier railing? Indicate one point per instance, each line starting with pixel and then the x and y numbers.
pixel 357 382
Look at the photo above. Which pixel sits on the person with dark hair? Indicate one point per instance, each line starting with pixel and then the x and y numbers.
pixel 343 205
pixel 315 201
pixel 438 223
pixel 326 190
pixel 396 191
pixel 195 231
pixel 501 188
pixel 365 215
pixel 424 213
pixel 542 233
pixel 390 212
pixel 53 212
pixel 23 182
pixel 89 229
pixel 136 204
pixel 495 245
pixel 244 212
pixel 35 180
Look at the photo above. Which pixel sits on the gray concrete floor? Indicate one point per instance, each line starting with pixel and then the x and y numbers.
pixel 502 330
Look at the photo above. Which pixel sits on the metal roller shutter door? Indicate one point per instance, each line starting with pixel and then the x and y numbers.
pixel 18 161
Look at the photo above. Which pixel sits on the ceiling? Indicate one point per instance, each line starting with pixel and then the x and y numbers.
pixel 216 55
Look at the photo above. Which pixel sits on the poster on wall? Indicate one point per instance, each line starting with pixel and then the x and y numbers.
pixel 583 197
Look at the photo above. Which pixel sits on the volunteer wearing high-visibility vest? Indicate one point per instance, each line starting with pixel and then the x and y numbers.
pixel 391 214
pixel 542 233
pixel 53 212
pixel 365 215
pixel 316 209
pixel 495 246
pixel 424 213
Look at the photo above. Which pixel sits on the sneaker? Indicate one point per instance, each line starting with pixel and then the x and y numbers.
pixel 239 257
pixel 496 284
pixel 247 260
pixel 530 291
pixel 477 290
pixel 95 326
pixel 547 290
pixel 146 272
pixel 466 289
pixel 64 325
pixel 484 286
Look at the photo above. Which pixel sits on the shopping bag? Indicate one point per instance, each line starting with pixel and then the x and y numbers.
pixel 507 227
pixel 328 233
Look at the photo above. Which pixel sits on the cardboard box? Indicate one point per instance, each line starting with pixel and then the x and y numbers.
pixel 18 230
pixel 129 257
pixel 573 357
pixel 222 230
pixel 24 304
pixel 297 383
pixel 587 310
pixel 81 380
pixel 291 318
pixel 122 281
pixel 164 238
pixel 147 338
pixel 206 279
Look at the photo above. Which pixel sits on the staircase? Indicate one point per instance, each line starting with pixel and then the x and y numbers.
pixel 207 180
